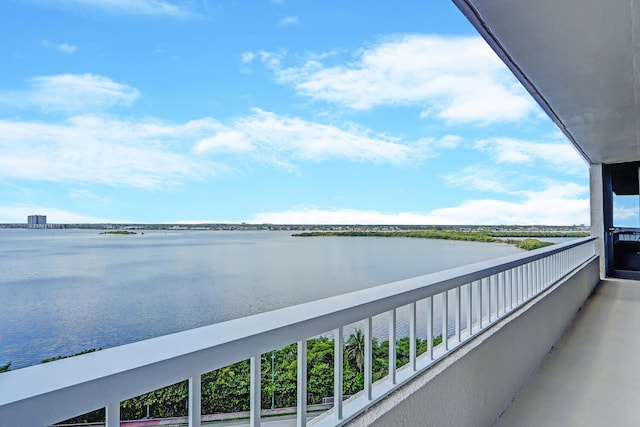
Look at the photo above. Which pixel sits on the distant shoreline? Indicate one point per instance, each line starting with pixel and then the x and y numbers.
pixel 120 232
pixel 529 243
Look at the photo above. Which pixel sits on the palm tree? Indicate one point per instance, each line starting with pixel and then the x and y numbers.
pixel 354 349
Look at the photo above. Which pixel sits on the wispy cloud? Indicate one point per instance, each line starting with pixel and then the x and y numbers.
pixel 456 79
pixel 62 47
pixel 513 151
pixel 482 179
pixel 283 140
pixel 103 150
pixel 128 7
pixel 70 93
pixel 289 21
pixel 557 204
pixel 622 213
pixel 247 57
pixel 83 193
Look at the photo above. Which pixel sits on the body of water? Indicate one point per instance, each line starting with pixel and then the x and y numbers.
pixel 64 291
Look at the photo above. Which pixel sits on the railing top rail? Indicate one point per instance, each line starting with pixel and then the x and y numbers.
pixel 135 367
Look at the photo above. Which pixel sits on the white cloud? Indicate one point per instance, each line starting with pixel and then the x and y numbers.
pixel 66 48
pixel 70 93
pixel 558 204
pixel 103 150
pixel 289 21
pixel 247 57
pixel 81 193
pixel 538 210
pixel 482 179
pixel 17 214
pixel 457 79
pixel 282 140
pixel 62 47
pixel 513 151
pixel 308 215
pixel 621 213
pixel 128 7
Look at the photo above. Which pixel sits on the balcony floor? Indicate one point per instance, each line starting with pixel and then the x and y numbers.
pixel 592 377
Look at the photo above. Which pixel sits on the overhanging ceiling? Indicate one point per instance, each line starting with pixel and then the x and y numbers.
pixel 580 59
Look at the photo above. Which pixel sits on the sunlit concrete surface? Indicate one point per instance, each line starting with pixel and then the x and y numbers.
pixel 592 376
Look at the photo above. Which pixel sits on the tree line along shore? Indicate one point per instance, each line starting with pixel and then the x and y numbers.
pixel 528 239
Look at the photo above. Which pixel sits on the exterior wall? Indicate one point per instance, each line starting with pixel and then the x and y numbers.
pixel 37 221
pixel 474 385
pixel 597 212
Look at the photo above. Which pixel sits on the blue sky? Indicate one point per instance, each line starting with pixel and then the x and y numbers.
pixel 159 111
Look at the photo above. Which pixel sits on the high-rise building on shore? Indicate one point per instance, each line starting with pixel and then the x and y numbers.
pixel 37 221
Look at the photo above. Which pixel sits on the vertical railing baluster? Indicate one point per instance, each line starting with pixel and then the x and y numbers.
pixel 528 280
pixel 412 336
pixel 301 410
pixel 445 320
pixel 513 284
pixel 480 303
pixel 195 401
pixel 489 297
pixel 540 279
pixel 470 308
pixel 255 397
pixel 524 283
pixel 113 415
pixel 504 292
pixel 521 284
pixel 511 280
pixel 497 295
pixel 368 358
pixel 430 327
pixel 392 346
pixel 532 275
pixel 458 300
pixel 338 359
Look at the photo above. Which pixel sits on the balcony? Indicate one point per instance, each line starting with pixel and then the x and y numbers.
pixel 591 376
pixel 500 319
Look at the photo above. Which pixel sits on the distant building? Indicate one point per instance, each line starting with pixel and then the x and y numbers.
pixel 37 221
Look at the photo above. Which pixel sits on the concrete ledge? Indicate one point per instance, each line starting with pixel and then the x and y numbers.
pixel 476 383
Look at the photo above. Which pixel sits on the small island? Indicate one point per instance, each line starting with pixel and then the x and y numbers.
pixel 125 232
pixel 529 242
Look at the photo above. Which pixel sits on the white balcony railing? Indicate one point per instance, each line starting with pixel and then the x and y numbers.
pixel 462 302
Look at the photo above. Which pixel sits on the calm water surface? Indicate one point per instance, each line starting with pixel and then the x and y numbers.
pixel 64 291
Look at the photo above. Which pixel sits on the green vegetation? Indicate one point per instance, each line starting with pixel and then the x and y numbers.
pixel 5 368
pixel 422 234
pixel 474 236
pixel 548 234
pixel 52 359
pixel 227 389
pixel 119 232
pixel 531 244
